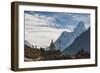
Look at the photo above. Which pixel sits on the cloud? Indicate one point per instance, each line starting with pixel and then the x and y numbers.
pixel 61 19
pixel 82 17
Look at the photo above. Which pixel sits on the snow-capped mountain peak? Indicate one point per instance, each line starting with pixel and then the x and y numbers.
pixel 79 28
pixel 67 38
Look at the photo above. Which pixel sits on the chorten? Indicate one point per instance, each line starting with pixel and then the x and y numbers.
pixel 52 46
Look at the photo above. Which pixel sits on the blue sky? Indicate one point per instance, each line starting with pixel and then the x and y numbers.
pixel 64 19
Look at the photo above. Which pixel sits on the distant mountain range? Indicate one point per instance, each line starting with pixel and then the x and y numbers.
pixel 67 38
pixel 81 42
pixel 27 44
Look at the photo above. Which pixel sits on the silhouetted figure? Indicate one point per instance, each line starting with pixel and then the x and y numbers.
pixel 32 46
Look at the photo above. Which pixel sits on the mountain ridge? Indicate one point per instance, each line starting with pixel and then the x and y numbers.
pixel 81 42
pixel 67 38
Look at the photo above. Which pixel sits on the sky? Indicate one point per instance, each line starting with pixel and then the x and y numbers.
pixel 42 27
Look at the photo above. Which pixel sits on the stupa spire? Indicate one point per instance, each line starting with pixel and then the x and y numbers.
pixel 52 46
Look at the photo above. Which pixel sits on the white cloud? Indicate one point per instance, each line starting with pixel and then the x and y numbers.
pixel 83 18
pixel 38 35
